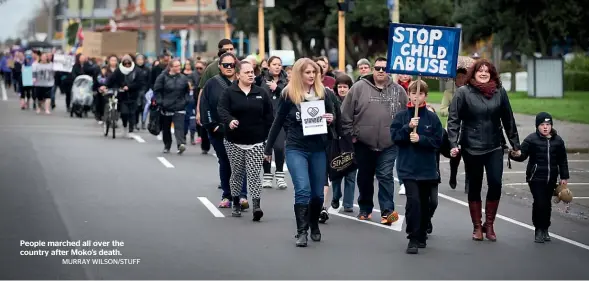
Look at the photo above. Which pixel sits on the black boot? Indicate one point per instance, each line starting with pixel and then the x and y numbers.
pixel 546 235
pixel 302 218
pixel 315 208
pixel 258 214
pixel 539 235
pixel 236 207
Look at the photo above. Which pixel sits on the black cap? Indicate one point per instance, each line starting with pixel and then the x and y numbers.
pixel 543 117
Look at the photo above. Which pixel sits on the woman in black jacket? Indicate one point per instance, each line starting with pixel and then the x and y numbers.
pixel 171 90
pixel 273 81
pixel 245 109
pixel 306 156
pixel 127 80
pixel 144 82
pixel 477 112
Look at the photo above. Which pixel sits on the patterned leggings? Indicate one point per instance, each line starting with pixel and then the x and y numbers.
pixel 248 161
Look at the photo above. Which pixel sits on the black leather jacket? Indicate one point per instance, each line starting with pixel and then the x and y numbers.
pixel 476 123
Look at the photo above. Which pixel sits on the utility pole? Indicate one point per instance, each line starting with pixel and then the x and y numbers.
pixel 261 29
pixel 51 19
pixel 199 28
pixel 395 19
pixel 80 9
pixel 92 21
pixel 227 26
pixel 158 27
pixel 341 36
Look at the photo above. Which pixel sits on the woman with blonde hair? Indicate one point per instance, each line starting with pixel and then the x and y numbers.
pixel 305 154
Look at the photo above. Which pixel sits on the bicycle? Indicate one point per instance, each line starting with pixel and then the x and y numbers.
pixel 111 114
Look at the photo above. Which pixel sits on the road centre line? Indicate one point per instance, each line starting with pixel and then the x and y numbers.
pixel 569 160
pixel 582 197
pixel 523 172
pixel 138 138
pixel 525 183
pixel 165 162
pixel 209 205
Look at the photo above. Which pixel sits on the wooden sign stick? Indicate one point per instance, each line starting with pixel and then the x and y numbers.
pixel 417 105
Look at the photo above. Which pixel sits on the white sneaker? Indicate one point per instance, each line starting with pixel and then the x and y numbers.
pixel 100 122
pixel 160 137
pixel 402 190
pixel 131 135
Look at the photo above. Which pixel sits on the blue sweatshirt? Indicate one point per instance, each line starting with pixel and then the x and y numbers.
pixel 417 161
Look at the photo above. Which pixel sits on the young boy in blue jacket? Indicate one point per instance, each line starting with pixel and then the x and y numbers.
pixel 417 161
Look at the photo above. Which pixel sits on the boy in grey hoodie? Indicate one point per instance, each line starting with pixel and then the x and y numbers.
pixel 367 114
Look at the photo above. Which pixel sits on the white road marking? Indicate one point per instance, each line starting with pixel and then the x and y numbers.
pixel 524 225
pixel 3 88
pixel 138 138
pixel 583 197
pixel 205 201
pixel 165 162
pixel 525 183
pixel 523 172
pixel 397 226
pixel 569 160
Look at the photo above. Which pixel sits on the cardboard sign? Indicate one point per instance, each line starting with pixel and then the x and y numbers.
pixel 312 117
pixel 423 50
pixel 98 44
pixel 63 63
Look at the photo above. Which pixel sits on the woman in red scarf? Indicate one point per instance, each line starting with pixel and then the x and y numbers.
pixel 404 80
pixel 479 111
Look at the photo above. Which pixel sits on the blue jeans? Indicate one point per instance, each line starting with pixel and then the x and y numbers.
pixel 308 171
pixel 380 164
pixel 225 168
pixel 349 187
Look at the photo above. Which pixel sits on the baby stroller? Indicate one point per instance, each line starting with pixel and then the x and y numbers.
pixel 82 96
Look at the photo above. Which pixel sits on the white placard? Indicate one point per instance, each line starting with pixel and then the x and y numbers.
pixel 286 56
pixel 312 117
pixel 63 63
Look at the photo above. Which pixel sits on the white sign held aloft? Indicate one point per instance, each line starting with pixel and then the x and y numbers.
pixel 312 118
pixel 63 63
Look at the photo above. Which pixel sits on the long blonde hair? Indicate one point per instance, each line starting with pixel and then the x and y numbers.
pixel 296 88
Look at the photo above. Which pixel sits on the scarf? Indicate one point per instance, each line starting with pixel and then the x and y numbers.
pixel 311 96
pixel 487 89
pixel 405 85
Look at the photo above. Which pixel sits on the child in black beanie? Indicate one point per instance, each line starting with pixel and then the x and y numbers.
pixel 548 161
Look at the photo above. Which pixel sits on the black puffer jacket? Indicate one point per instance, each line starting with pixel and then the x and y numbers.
pixel 548 158
pixel 132 80
pixel 478 120
pixel 171 92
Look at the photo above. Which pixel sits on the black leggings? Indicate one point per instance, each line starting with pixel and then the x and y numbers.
pixel 476 165
pixel 27 93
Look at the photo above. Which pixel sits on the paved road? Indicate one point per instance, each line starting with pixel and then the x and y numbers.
pixel 62 180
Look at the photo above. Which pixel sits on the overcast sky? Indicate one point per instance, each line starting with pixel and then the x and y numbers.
pixel 15 13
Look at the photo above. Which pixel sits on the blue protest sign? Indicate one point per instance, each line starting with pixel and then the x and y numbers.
pixel 423 50
pixel 27 76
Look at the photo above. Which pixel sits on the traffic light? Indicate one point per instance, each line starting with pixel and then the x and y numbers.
pixel 346 6
pixel 221 4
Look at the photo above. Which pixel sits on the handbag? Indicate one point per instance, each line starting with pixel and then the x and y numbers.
pixel 342 159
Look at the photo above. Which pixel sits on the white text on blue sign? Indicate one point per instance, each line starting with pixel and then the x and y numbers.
pixel 419 51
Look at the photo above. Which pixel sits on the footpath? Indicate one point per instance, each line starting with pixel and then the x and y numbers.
pixel 575 135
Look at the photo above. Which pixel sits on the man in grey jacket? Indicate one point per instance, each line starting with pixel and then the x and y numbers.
pixel 367 113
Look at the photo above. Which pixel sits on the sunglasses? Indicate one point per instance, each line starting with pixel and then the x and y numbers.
pixel 199 68
pixel 228 65
pixel 379 68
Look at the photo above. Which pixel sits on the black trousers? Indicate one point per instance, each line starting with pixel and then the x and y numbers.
pixel 178 120
pixel 205 142
pixel 476 165
pixel 542 206
pixel 418 210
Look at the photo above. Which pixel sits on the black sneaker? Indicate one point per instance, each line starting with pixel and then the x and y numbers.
pixel 324 216
pixel 412 247
pixel 430 228
pixel 421 244
pixel 335 204
pixel 452 183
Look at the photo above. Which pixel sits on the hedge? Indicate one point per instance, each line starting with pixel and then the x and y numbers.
pixel 576 81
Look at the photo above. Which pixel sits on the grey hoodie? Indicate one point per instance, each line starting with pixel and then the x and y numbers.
pixel 367 111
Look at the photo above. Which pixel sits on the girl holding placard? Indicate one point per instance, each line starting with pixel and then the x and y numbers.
pixel 304 114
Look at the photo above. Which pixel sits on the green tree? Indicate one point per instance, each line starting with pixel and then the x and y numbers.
pixel 367 25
